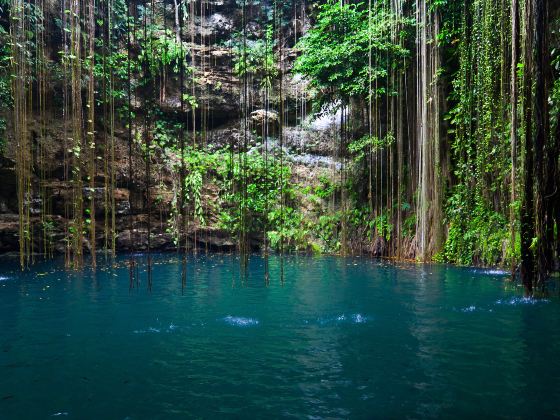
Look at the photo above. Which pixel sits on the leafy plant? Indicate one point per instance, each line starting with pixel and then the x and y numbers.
pixel 335 52
pixel 256 58
pixel 366 144
pixel 261 180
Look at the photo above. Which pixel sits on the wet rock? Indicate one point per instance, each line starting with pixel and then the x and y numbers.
pixel 379 246
pixel 138 240
pixel 214 238
pixel 9 232
pixel 216 25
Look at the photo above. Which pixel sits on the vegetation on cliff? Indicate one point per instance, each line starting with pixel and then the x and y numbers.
pixel 130 121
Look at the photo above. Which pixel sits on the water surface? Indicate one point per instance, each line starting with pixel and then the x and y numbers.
pixel 338 338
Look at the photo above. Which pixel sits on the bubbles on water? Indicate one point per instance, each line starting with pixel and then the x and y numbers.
pixel 511 301
pixel 495 272
pixel 239 321
pixel 359 318
pixel 490 271
pixel 341 319
pixel 148 331
pixel 520 300
pixel 153 330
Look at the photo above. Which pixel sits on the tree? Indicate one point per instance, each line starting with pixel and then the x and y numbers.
pixel 335 52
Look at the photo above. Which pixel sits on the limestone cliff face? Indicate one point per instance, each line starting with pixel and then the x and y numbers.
pixel 217 120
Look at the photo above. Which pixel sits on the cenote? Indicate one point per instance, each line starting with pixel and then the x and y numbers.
pixel 337 338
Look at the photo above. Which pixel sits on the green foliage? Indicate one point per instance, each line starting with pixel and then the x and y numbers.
pixel 480 141
pixel 476 234
pixel 256 58
pixel 290 226
pixel 346 57
pixel 367 144
pixel 155 50
pixel 116 62
pixel 160 50
pixel 198 163
pixel 383 226
pixel 327 229
pixel 262 181
pixel 335 52
pixel 368 226
pixel 409 226
pixel 326 189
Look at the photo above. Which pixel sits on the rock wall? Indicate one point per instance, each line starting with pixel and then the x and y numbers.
pixel 309 151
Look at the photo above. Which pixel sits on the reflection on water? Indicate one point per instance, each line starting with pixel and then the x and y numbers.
pixel 336 337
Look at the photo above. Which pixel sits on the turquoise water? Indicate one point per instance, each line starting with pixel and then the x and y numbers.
pixel 339 338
